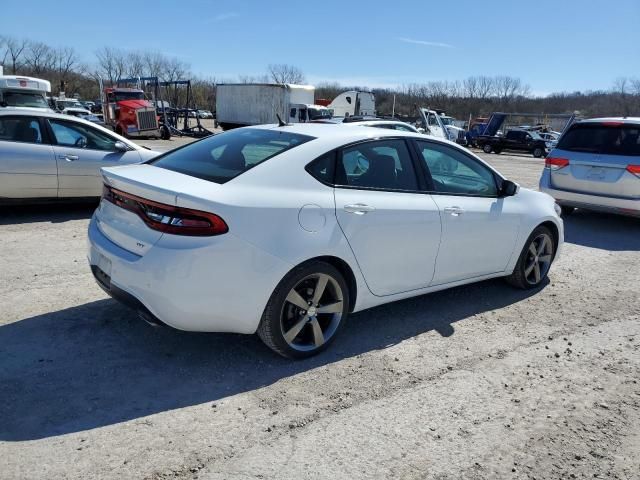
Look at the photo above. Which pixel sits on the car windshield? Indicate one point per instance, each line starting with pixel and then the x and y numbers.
pixel 221 157
pixel 22 99
pixel 447 120
pixel 319 114
pixel 612 139
pixel 120 96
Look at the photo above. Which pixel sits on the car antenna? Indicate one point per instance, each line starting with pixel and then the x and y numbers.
pixel 280 122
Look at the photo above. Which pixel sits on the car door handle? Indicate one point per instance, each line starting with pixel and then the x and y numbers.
pixel 358 208
pixel 68 158
pixel 454 211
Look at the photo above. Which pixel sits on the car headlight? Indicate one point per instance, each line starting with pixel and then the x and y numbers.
pixel 557 208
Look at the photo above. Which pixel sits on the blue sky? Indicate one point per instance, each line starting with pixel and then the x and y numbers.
pixel 551 45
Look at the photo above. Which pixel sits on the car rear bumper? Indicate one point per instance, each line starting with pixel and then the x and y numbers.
pixel 601 203
pixel 212 284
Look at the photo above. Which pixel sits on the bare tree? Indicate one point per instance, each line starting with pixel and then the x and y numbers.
pixel 13 52
pixel 283 73
pixel 39 58
pixel 111 64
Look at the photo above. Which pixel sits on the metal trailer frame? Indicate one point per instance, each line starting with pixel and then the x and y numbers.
pixel 176 114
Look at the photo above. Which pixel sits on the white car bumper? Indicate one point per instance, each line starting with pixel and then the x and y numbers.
pixel 220 285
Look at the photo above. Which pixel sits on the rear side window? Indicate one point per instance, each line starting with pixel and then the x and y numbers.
pixel 222 157
pixel 612 139
pixel 384 164
pixel 20 129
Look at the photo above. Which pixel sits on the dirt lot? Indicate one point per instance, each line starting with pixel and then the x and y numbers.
pixel 481 381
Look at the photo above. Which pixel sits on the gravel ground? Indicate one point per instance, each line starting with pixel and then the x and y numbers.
pixel 477 382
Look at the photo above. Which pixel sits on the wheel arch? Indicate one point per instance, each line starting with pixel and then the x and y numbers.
pixel 553 228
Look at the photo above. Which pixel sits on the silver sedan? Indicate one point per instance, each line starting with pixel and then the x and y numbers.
pixel 48 156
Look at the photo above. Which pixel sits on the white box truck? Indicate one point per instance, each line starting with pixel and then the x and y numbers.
pixel 242 104
pixel 24 92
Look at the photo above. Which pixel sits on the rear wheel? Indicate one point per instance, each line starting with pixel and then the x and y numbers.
pixel 306 311
pixel 487 148
pixel 497 151
pixel 535 260
pixel 538 152
pixel 165 134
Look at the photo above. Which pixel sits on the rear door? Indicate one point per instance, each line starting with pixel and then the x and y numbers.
pixel 479 230
pixel 392 226
pixel 80 152
pixel 27 162
pixel 599 157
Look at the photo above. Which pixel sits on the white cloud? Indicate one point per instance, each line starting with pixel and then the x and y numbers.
pixel 425 43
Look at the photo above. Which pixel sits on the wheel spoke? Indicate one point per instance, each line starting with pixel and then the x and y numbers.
pixel 542 246
pixel 318 336
pixel 293 332
pixel 295 298
pixel 331 308
pixel 320 286
pixel 545 258
pixel 532 249
pixel 529 269
pixel 536 271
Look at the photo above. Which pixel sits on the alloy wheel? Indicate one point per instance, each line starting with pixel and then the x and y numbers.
pixel 538 261
pixel 312 312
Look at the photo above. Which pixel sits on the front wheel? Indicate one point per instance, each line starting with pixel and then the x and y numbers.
pixel 538 152
pixel 535 260
pixel 487 148
pixel 306 311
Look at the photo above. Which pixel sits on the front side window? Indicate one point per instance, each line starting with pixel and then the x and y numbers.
pixel 219 158
pixel 20 129
pixel 71 134
pixel 384 164
pixel 454 172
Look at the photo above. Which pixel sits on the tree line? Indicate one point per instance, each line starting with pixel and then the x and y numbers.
pixel 475 95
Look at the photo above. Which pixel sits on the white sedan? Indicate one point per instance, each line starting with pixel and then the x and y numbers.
pixel 50 156
pixel 285 231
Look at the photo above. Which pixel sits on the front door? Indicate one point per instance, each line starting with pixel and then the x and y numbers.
pixel 80 152
pixel 479 230
pixel 27 162
pixel 393 228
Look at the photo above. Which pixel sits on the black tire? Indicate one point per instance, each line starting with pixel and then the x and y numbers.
pixel 522 279
pixel 283 316
pixel 566 210
pixel 497 151
pixel 538 152
pixel 165 134
pixel 486 148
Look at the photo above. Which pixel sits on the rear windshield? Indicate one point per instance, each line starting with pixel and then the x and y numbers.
pixel 601 138
pixel 221 157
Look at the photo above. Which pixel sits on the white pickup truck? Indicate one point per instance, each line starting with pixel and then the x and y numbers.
pixel 438 124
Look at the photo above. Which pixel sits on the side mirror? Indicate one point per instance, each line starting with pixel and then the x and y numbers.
pixel 120 146
pixel 508 188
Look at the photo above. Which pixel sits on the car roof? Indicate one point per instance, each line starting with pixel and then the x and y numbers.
pixel 630 120
pixel 61 116
pixel 356 131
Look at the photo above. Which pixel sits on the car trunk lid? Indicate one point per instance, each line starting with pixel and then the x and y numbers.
pixel 128 229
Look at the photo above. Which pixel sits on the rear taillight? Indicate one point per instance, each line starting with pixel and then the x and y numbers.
pixel 555 163
pixel 167 218
pixel 635 169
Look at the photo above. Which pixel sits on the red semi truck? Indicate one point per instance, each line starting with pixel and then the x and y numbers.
pixel 129 113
